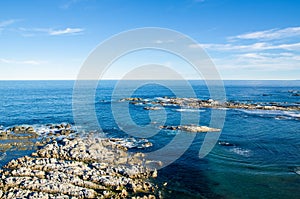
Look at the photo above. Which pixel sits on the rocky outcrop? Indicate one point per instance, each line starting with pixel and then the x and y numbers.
pixel 18 132
pixel 191 128
pixel 78 168
pixel 210 103
pixel 28 138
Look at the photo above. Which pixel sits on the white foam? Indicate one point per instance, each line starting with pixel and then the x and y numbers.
pixel 188 110
pixel 292 114
pixel 162 99
pixel 284 114
pixel 132 143
pixel 262 112
pixel 2 156
pixel 242 152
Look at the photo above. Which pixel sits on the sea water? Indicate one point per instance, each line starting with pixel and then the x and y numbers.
pixel 262 159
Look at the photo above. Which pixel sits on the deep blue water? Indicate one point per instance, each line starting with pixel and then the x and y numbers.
pixel 262 162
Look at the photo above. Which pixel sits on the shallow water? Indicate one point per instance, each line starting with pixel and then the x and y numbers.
pixel 262 160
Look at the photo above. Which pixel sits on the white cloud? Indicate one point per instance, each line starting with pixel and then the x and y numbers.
pixel 66 31
pixel 270 34
pixel 252 56
pixel 26 62
pixel 259 46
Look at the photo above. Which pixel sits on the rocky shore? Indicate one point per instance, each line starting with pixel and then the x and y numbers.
pixel 80 167
pixel 209 103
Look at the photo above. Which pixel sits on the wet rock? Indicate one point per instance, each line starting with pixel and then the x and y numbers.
pixel 223 143
pixel 191 128
pixel 30 129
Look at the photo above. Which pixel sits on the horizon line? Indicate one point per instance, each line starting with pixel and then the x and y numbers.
pixel 150 79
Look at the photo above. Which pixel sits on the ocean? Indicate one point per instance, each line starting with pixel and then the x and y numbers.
pixel 261 159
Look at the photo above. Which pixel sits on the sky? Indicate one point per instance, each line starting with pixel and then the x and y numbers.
pixel 45 40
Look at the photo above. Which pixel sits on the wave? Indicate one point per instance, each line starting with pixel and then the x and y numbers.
pixel 188 110
pixel 292 114
pixel 277 114
pixel 261 112
pixel 297 170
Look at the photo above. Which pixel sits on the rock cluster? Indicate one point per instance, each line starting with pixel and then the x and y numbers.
pixel 18 132
pixel 28 138
pixel 78 168
pixel 191 128
pixel 210 103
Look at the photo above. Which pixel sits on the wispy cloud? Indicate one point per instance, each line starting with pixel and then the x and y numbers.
pixel 26 62
pixel 7 22
pixel 68 4
pixel 66 31
pixel 259 62
pixel 259 46
pixel 28 32
pixel 4 24
pixel 259 53
pixel 269 34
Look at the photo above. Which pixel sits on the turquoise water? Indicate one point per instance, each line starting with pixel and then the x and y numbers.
pixel 262 160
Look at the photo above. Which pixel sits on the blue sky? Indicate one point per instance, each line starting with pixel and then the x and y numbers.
pixel 245 39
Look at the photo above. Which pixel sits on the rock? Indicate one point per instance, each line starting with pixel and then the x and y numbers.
pixel 30 129
pixel 223 143
pixel 152 108
pixel 147 145
pixel 16 129
pixel 124 193
pixel 191 128
pixel 210 103
pixel 154 174
pixel 78 168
